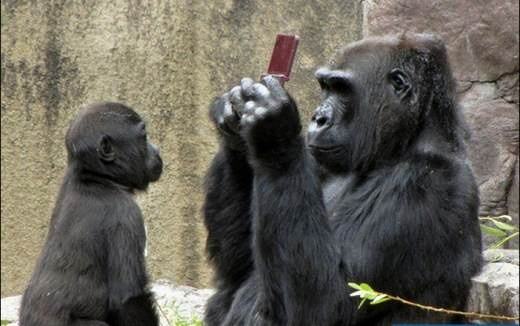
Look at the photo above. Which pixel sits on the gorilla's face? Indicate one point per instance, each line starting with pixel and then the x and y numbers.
pixel 154 163
pixel 138 161
pixel 330 128
pixel 110 141
pixel 370 106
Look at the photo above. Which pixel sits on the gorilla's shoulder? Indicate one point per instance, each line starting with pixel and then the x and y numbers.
pixel 435 171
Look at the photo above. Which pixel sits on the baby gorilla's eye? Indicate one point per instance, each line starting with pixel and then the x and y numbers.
pixel 142 130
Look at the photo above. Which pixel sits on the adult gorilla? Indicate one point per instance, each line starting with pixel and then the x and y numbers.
pixel 380 193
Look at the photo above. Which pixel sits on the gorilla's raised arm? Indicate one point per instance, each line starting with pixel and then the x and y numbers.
pixel 296 259
pixel 227 208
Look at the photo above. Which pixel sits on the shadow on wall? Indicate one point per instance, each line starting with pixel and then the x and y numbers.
pixel 166 60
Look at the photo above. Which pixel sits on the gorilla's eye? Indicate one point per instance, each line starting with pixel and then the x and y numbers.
pixel 339 84
pixel 142 129
pixel 334 83
pixel 323 84
pixel 399 81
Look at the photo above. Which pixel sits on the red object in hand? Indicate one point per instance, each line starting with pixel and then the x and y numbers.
pixel 283 56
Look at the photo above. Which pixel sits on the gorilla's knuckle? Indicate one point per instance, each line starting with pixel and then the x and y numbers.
pixel 261 91
pixel 248 120
pixel 235 93
pixel 261 111
pixel 227 109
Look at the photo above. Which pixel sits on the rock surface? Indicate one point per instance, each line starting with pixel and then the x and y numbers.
pixel 9 307
pixel 185 302
pixel 482 36
pixel 482 41
pixel 176 303
pixel 493 151
pixel 495 290
pixel 510 256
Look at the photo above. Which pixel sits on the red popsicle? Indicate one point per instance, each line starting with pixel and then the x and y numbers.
pixel 283 55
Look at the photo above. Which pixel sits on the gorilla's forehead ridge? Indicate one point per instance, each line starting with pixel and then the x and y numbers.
pixel 379 49
pixel 373 49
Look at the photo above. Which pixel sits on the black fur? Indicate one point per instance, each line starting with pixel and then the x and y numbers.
pixel 380 192
pixel 91 271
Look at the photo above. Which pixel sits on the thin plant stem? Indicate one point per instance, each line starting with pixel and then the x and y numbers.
pixel 506 239
pixel 448 311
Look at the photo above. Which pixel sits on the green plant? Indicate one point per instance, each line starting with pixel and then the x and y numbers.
pixel 495 227
pixel 180 321
pixel 5 322
pixel 366 293
pixel 171 316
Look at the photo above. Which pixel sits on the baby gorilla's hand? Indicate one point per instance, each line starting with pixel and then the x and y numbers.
pixel 270 121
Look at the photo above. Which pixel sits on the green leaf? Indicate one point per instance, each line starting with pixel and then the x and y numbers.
pixel 371 296
pixel 357 294
pixel 504 226
pixel 500 243
pixel 361 303
pixel 354 285
pixel 366 287
pixel 379 299
pixel 492 231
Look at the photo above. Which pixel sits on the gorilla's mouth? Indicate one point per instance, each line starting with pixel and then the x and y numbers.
pixel 325 149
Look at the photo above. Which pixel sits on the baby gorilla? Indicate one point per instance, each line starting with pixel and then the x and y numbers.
pixel 92 269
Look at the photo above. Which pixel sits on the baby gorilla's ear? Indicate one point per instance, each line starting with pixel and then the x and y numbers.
pixel 105 149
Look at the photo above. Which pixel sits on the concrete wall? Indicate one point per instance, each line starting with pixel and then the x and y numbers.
pixel 167 59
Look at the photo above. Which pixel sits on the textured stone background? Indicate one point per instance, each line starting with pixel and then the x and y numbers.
pixel 482 41
pixel 167 59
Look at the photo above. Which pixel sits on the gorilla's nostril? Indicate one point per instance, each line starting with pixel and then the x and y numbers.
pixel 321 120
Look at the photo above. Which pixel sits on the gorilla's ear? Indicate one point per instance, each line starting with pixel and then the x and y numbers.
pixel 105 149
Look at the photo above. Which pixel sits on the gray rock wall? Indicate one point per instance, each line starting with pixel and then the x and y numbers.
pixel 482 41
pixel 495 289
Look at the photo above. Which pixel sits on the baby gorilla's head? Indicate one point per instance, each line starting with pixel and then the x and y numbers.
pixel 107 142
